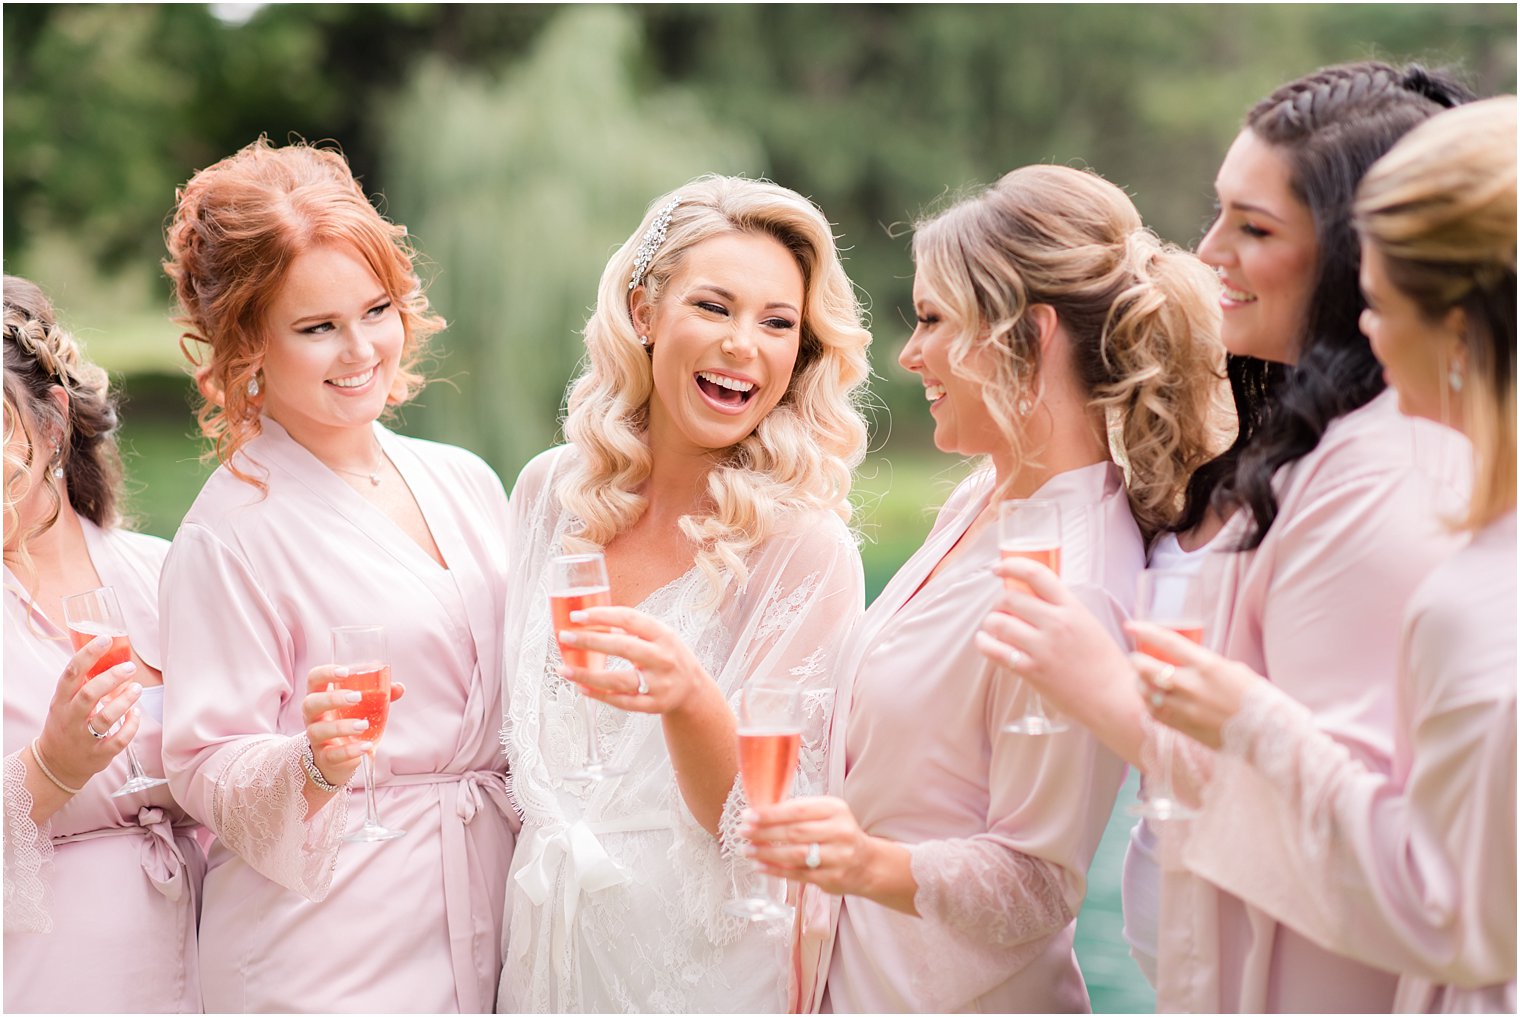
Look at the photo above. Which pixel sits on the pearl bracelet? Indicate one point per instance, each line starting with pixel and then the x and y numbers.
pixel 315 772
pixel 37 756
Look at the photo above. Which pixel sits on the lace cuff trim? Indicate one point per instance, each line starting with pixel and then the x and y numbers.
pixel 258 809
pixel 712 870
pixel 1275 735
pixel 28 850
pixel 989 906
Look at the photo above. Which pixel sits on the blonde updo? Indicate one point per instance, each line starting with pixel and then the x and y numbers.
pixel 1142 317
pixel 1440 208
pixel 802 454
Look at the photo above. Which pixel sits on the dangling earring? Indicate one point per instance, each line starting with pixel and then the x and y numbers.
pixel 1454 378
pixel 253 386
pixel 57 470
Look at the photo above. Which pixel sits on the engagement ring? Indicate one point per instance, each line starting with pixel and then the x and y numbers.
pixel 1164 677
pixel 643 685
pixel 1016 658
pixel 1158 699
pixel 814 856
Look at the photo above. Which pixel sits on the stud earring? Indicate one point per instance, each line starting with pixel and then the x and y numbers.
pixel 644 341
pixel 1025 406
pixel 1454 378
pixel 253 386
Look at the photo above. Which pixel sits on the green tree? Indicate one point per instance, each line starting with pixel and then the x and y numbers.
pixel 518 190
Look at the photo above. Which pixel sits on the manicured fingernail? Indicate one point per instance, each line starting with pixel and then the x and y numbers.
pixel 353 697
pixel 100 642
pixel 569 637
pixel 135 689
pixel 749 815
pixel 128 668
pixel 358 725
pixel 577 616
pixel 340 671
pixel 565 670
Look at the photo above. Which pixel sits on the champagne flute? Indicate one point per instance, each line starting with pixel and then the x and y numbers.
pixel 770 739
pixel 97 613
pixel 1029 528
pixel 578 582
pixel 1171 599
pixel 361 650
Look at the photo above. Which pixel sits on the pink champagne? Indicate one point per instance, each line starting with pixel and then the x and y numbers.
pixel 1187 630
pixel 373 683
pixel 561 605
pixel 1050 557
pixel 767 760
pixel 119 652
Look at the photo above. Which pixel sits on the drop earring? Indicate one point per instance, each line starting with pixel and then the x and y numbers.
pixel 1454 378
pixel 57 470
pixel 253 386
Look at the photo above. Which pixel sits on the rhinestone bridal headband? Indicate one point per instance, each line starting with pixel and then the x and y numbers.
pixel 653 238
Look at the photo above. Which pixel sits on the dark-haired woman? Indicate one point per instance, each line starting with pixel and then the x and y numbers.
pixel 1412 871
pixel 100 892
pixel 1319 521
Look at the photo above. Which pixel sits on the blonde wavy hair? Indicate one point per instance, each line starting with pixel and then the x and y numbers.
pixel 237 227
pixel 1440 208
pixel 802 454
pixel 39 354
pixel 1142 316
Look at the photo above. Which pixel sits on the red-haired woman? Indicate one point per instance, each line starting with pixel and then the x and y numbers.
pixel 309 320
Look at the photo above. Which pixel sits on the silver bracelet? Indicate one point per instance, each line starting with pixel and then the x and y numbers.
pixel 315 772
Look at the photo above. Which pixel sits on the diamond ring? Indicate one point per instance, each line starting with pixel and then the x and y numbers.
pixel 814 857
pixel 1157 699
pixel 643 684
pixel 1016 658
pixel 1163 679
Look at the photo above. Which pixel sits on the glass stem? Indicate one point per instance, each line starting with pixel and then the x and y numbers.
pixel 1164 764
pixel 368 765
pixel 593 756
pixel 134 765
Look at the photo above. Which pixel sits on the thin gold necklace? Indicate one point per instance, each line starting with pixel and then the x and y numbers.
pixel 373 476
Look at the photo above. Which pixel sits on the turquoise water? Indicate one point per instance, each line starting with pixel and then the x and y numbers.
pixel 1113 981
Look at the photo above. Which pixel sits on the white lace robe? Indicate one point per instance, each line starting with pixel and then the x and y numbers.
pixel 616 898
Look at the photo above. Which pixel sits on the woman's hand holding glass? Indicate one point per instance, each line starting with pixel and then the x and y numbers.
pixel 81 709
pixel 665 672
pixel 337 744
pixel 1054 643
pixel 811 840
pixel 1199 693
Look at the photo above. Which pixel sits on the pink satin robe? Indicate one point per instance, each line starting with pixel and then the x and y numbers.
pixel 295 919
pixel 121 891
pixel 1316 608
pixel 1002 826
pixel 1414 871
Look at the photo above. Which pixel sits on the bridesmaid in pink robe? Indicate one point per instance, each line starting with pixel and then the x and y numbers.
pixel 956 853
pixel 1411 871
pixel 311 318
pixel 92 883
pixel 1328 502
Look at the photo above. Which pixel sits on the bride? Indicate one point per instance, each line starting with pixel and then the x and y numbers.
pixel 712 436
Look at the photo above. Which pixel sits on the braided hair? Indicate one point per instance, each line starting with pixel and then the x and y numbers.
pixel 40 354
pixel 1330 127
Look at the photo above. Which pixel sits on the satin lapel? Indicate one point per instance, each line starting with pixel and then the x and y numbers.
pixel 897 593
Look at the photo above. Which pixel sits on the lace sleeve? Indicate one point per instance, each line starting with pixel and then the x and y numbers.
pixel 805 592
pixel 986 891
pixel 258 808
pixel 28 849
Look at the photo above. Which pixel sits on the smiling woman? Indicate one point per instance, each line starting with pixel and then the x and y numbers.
pixel 309 315
pixel 711 439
